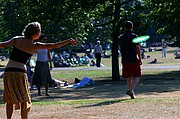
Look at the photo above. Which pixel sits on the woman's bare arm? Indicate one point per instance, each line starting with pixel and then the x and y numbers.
pixel 7 43
pixel 54 45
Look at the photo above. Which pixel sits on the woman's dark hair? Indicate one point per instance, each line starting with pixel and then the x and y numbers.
pixel 31 29
pixel 42 36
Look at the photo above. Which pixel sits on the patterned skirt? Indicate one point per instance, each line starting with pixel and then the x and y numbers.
pixel 16 90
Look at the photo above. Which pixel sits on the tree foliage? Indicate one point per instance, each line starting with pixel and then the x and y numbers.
pixel 164 13
pixel 61 19
pixel 85 20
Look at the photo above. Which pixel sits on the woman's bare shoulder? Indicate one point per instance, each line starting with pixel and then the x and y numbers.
pixel 18 37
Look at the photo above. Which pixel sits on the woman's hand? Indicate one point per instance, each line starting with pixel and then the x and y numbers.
pixel 72 41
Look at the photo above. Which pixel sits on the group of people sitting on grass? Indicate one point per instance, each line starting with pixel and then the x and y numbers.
pixel 72 60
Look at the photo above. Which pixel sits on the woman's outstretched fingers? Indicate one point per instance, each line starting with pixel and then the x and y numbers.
pixel 72 41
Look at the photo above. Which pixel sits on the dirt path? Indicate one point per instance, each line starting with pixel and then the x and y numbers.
pixel 155 100
pixel 158 97
pixel 122 108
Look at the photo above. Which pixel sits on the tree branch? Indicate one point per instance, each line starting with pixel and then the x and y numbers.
pixel 126 2
pixel 97 25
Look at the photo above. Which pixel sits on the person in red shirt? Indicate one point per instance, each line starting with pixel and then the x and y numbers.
pixel 131 58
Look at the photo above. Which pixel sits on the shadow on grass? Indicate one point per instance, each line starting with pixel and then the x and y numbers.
pixel 109 102
pixel 105 88
pixel 165 82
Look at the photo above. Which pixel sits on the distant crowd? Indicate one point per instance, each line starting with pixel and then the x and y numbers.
pixel 71 59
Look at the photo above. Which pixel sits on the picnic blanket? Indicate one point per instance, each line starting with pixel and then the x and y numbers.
pixel 84 82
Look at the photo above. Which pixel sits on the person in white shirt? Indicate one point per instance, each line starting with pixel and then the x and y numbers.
pixel 97 53
pixel 42 76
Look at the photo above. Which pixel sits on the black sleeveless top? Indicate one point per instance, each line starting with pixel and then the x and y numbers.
pixel 20 56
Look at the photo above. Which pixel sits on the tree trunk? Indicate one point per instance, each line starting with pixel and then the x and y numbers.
pixel 115 44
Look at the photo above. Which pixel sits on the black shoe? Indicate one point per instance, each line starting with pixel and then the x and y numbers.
pixel 47 95
pixel 39 94
pixel 65 83
pixel 130 94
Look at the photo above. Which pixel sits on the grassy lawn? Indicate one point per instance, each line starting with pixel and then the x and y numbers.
pixel 157 94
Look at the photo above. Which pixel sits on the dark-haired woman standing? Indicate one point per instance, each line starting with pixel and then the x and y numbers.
pixel 16 90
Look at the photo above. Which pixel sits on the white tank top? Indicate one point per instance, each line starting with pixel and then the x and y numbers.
pixel 42 55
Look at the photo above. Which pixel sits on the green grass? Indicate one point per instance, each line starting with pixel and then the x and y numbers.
pixel 70 102
pixel 162 75
pixel 70 75
pixel 169 60
pixel 106 101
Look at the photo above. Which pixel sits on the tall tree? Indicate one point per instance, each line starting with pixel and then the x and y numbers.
pixel 72 18
pixel 114 13
pixel 115 34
